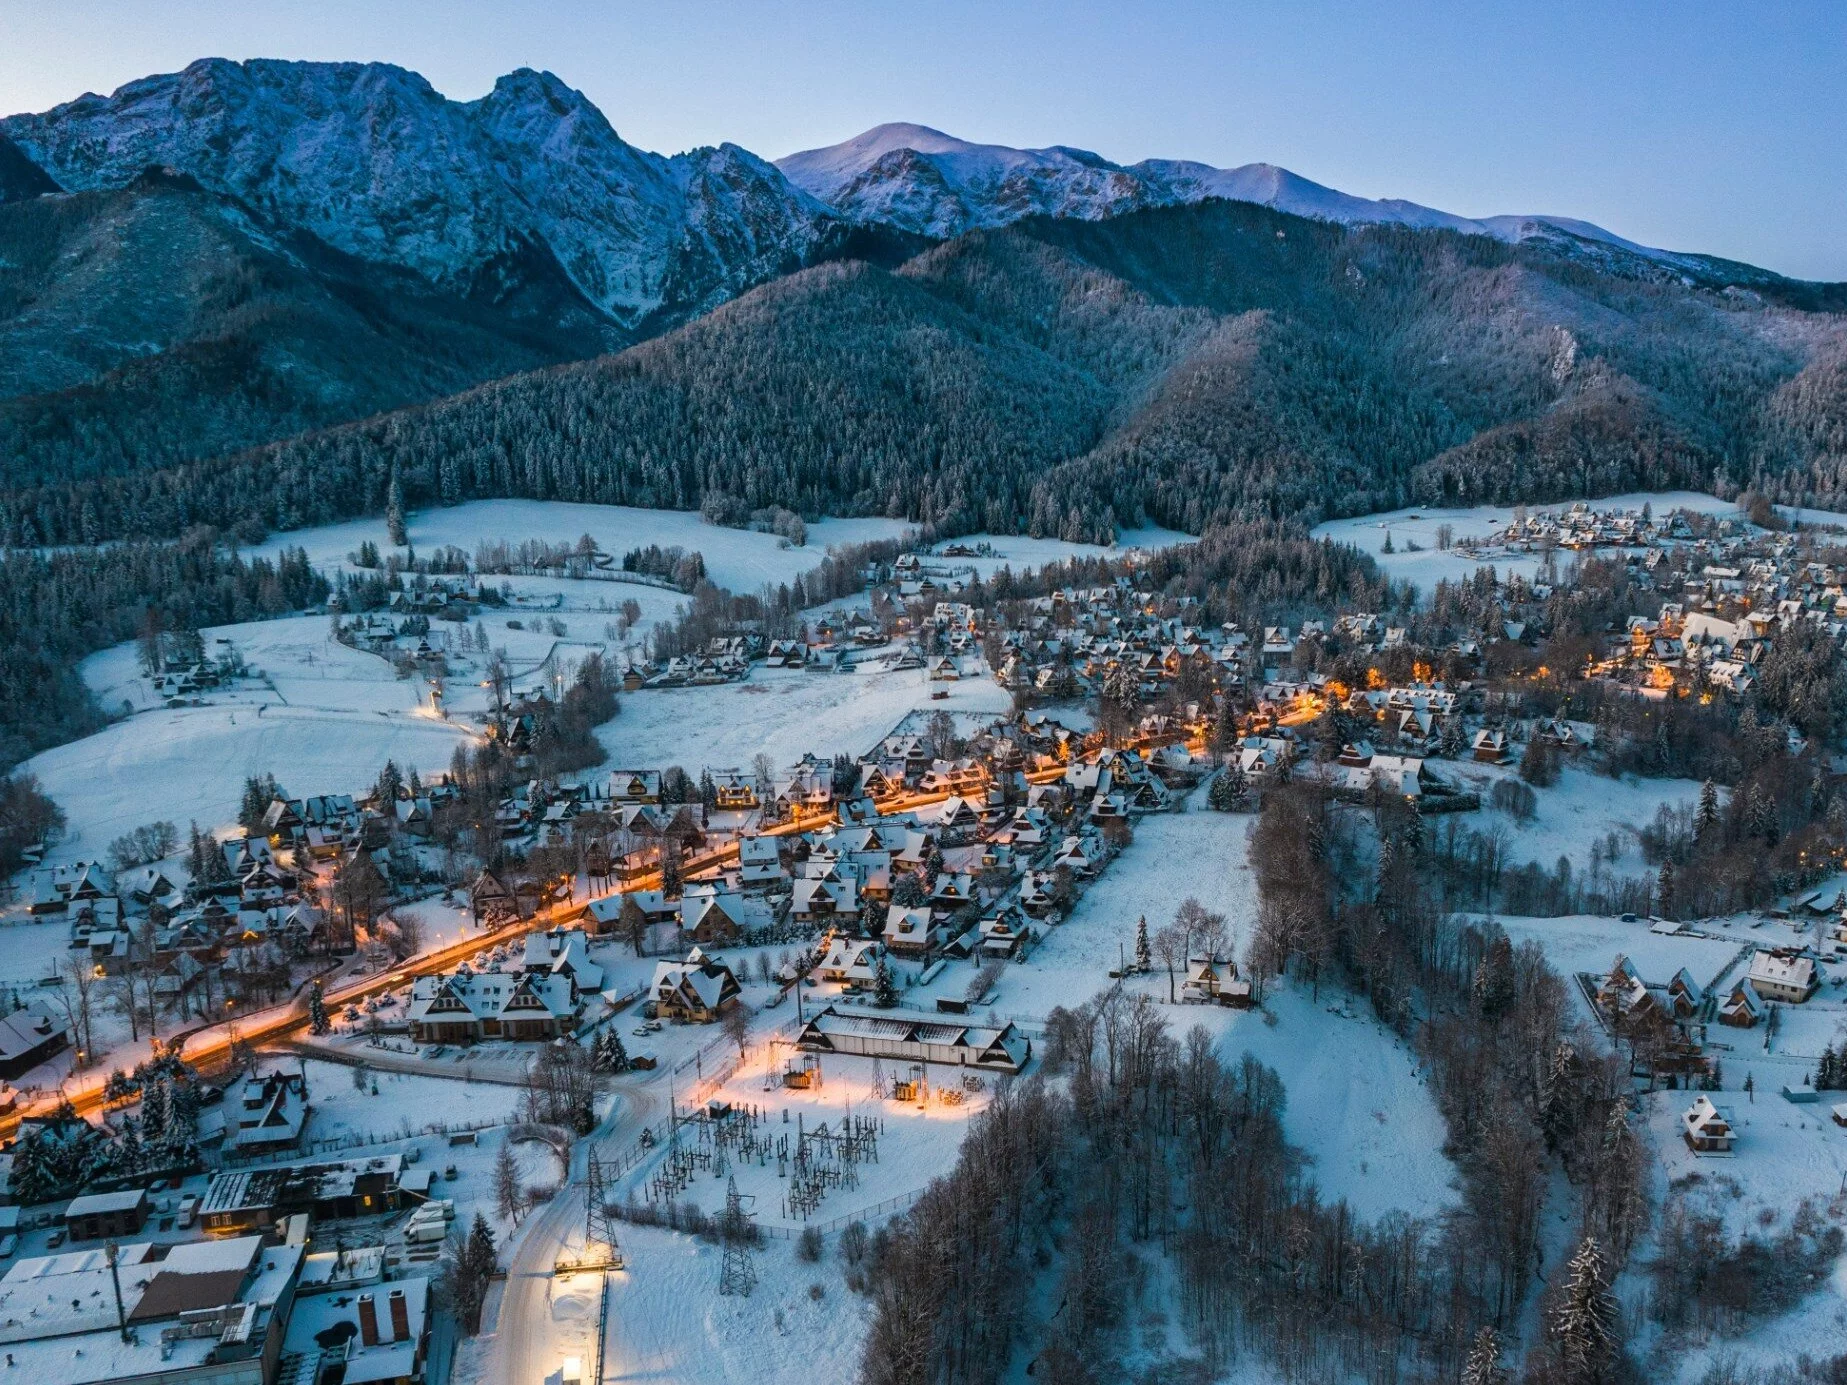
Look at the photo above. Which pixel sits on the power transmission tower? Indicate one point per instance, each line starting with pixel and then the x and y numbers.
pixel 601 1251
pixel 599 1226
pixel 739 1272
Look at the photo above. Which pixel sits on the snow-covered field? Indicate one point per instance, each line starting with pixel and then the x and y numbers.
pixel 190 764
pixel 1022 554
pixel 30 951
pixel 403 1105
pixel 1357 1103
pixel 1785 1153
pixel 741 560
pixel 1590 943
pixel 1419 524
pixel 1583 807
pixel 784 713
pixel 667 1321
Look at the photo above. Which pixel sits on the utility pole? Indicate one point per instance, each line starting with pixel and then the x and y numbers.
pixel 110 1253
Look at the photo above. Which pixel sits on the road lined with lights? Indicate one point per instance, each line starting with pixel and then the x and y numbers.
pixel 202 1047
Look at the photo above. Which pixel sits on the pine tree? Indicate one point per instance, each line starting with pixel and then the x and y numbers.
pixel 1583 1322
pixel 390 782
pixel 481 1253
pixel 318 1023
pixel 1484 1364
pixel 1120 697
pixel 1144 956
pixel 468 1263
pixel 155 1110
pixel 1494 978
pixel 1664 891
pixel 1450 741
pixel 885 985
pixel 1231 789
pixel 1708 815
pixel 1760 817
pixel 32 1179
pixel 1556 1116
pixel 394 511
pixel 607 1054
pixel 253 805
pixel 509 1201
pixel 1225 728
pixel 199 852
pixel 131 1154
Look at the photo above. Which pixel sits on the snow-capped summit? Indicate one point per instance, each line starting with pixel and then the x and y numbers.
pixel 374 161
pixel 531 183
pixel 923 180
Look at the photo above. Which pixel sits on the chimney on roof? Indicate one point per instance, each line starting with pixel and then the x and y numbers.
pixel 368 1321
pixel 400 1316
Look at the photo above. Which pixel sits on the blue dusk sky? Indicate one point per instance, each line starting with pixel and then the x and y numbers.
pixel 1698 126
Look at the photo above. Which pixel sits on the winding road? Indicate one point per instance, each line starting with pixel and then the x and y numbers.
pixel 522 1348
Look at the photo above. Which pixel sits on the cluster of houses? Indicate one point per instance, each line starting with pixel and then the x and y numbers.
pixel 259 906
pixel 902 854
pixel 1724 588
pixel 220 1279
pixel 824 645
pixel 1583 526
pixel 542 998
pixel 1666 1022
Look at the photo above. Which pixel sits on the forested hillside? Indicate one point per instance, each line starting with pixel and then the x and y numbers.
pixel 161 323
pixel 1184 366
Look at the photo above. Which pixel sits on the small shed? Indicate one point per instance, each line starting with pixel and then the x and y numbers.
pixel 96 1215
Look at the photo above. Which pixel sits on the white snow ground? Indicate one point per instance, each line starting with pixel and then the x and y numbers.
pixel 190 764
pixel 784 713
pixel 739 559
pixel 1582 808
pixel 1419 525
pixel 1357 1101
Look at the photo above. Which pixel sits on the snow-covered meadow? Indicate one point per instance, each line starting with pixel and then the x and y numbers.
pixel 1426 565
pixel 784 714
pixel 189 765
pixel 1357 1102
pixel 1581 809
pixel 1022 554
pixel 738 559
pixel 323 717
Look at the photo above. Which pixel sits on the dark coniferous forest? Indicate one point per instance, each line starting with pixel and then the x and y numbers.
pixel 1185 366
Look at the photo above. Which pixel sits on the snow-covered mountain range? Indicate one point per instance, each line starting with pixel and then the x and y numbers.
pixel 922 180
pixel 375 162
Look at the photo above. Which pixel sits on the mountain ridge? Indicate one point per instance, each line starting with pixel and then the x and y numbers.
pixel 344 258
pixel 1188 366
pixel 371 159
pixel 865 178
